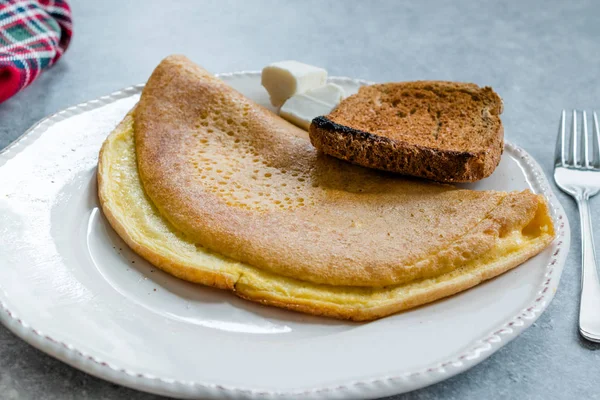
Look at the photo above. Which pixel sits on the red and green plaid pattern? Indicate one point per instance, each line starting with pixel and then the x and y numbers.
pixel 33 35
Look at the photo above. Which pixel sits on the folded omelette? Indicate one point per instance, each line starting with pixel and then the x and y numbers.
pixel 215 189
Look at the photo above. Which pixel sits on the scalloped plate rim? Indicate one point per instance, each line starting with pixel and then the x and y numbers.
pixel 371 387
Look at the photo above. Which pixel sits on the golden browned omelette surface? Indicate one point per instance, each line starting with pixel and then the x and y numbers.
pixel 240 181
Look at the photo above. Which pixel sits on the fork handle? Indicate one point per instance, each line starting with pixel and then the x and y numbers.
pixel 589 312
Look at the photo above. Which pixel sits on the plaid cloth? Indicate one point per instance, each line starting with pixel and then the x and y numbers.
pixel 33 35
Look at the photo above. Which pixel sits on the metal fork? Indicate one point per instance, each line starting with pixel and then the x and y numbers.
pixel 579 175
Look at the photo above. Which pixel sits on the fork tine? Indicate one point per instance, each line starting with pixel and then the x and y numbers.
pixel 559 152
pixel 596 143
pixel 584 133
pixel 574 139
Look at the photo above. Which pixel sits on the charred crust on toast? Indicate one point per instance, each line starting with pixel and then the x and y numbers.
pixel 323 122
pixel 379 152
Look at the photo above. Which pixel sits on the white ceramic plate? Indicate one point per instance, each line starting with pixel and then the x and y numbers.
pixel 73 289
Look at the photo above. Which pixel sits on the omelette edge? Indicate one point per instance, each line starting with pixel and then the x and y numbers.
pixel 260 286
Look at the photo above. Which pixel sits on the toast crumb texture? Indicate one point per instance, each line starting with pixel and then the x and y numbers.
pixel 443 131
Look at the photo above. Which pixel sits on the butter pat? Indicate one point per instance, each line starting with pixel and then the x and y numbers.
pixel 302 108
pixel 284 79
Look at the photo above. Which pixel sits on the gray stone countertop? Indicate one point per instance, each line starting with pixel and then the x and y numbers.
pixel 541 56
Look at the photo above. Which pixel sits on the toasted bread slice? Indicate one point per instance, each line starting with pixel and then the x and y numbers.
pixel 443 131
